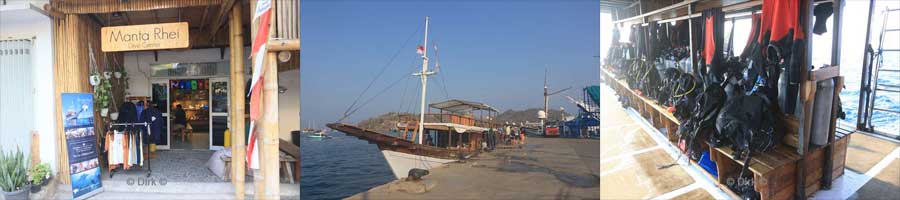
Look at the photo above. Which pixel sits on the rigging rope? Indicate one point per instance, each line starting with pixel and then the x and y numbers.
pixel 383 68
pixel 369 100
pixel 443 86
pixel 403 96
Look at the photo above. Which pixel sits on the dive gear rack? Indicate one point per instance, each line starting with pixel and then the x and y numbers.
pixel 795 169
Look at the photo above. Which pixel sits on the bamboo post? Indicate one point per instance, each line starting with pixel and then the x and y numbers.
pixel 35 148
pixel 269 153
pixel 238 148
pixel 268 143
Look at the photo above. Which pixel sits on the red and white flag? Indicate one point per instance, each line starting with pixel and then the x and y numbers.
pixel 420 50
pixel 262 15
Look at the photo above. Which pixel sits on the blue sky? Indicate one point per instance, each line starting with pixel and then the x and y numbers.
pixel 489 51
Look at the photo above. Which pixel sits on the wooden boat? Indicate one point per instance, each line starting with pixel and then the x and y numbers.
pixel 451 137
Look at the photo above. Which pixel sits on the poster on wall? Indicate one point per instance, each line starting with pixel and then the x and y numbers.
pixel 78 124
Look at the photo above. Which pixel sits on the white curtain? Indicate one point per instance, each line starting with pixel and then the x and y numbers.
pixel 16 95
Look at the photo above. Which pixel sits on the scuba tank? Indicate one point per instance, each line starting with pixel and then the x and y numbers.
pixel 782 92
pixel 821 120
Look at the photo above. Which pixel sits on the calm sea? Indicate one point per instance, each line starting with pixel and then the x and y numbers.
pixel 882 121
pixel 340 167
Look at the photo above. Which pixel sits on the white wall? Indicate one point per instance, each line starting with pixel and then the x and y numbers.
pixel 39 28
pixel 137 65
pixel 289 103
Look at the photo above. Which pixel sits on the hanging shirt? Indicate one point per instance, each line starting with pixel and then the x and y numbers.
pixel 139 107
pixel 115 148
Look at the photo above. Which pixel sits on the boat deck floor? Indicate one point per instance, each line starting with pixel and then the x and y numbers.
pixel 875 164
pixel 632 160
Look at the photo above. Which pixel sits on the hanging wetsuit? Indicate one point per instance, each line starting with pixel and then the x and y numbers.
pixel 711 45
pixel 782 39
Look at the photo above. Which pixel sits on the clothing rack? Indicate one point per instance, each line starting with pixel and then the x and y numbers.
pixel 141 146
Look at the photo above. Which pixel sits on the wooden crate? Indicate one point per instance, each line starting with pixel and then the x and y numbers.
pixel 774 172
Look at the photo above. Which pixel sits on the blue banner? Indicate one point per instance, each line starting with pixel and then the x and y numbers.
pixel 78 124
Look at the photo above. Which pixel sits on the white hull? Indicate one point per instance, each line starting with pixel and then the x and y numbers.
pixel 401 163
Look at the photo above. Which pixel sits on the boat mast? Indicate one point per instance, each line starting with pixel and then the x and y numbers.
pixel 424 75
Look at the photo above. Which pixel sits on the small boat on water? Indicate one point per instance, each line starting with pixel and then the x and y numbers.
pixel 319 134
pixel 430 140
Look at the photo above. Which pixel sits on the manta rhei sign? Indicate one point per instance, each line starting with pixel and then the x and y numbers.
pixel 145 37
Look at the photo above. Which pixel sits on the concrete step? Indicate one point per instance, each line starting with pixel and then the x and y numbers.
pixel 148 189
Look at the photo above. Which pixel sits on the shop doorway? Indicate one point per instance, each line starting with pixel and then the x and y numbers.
pixel 203 104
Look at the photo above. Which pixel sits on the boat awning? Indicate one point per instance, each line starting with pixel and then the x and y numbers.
pixel 458 127
pixel 461 106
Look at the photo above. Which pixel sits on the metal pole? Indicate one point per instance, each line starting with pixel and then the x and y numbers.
pixel 691 40
pixel 835 61
pixel 546 104
pixel 424 84
pixel 862 120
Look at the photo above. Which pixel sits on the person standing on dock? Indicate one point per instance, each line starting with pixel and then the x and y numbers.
pixel 522 142
pixel 506 134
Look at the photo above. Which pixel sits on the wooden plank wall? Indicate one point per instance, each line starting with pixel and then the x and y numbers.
pixel 72 34
pixel 286 26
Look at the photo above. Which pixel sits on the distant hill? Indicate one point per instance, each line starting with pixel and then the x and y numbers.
pixel 528 115
pixel 385 122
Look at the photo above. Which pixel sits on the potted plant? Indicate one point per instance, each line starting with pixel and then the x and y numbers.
pixel 13 175
pixel 102 95
pixel 39 176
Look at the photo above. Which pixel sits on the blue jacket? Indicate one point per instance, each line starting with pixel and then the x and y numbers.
pixel 156 121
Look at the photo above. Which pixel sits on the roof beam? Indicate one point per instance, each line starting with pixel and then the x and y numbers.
pixel 221 17
pixel 109 6
pixel 667 8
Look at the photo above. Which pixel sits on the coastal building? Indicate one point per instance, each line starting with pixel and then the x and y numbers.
pixel 192 56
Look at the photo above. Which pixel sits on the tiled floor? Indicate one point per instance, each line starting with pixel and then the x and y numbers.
pixel 173 166
pixel 198 140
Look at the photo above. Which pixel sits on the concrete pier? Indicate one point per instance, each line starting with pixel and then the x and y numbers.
pixel 544 168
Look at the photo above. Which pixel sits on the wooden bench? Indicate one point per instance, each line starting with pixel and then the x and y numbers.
pixel 289 155
pixel 286 162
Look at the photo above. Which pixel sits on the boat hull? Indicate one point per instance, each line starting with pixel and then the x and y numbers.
pixel 401 163
pixel 391 143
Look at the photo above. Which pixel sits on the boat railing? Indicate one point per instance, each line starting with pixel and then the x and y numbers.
pixel 459 119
